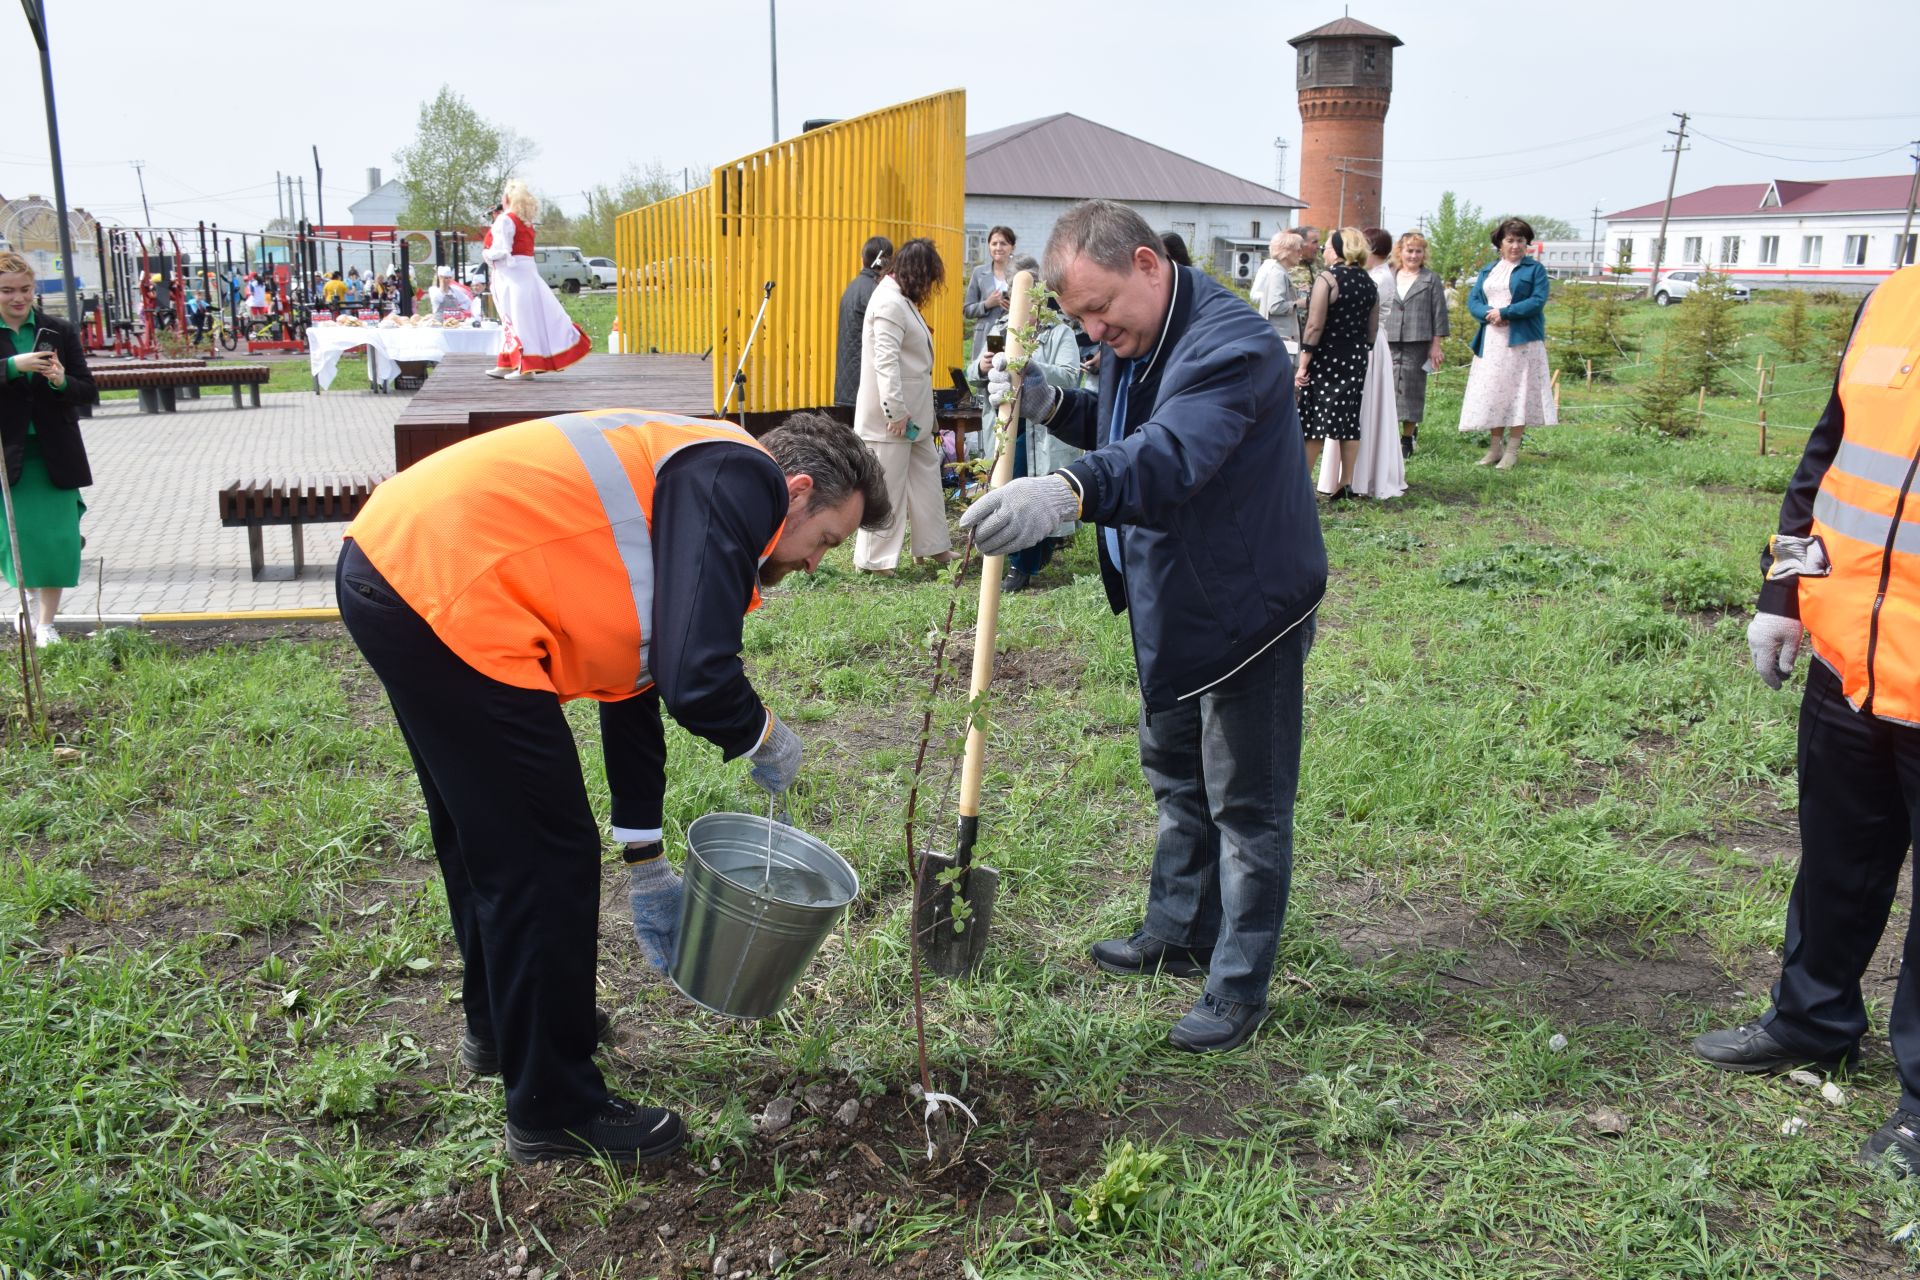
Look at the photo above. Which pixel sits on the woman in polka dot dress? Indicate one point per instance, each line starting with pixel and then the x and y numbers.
pixel 1342 314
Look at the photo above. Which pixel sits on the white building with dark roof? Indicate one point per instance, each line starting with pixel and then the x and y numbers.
pixel 1845 232
pixel 1025 175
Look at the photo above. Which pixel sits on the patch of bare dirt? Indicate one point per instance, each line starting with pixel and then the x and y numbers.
pixel 827 1192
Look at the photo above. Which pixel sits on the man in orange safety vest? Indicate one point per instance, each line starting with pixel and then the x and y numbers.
pixel 1845 566
pixel 610 555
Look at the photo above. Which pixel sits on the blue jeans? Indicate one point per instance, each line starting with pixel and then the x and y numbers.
pixel 1224 767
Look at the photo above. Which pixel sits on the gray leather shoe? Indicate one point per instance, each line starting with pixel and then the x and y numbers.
pixel 1215 1025
pixel 1753 1048
pixel 1144 954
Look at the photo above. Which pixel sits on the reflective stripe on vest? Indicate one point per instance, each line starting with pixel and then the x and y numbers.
pixel 529 549
pixel 1864 617
pixel 625 517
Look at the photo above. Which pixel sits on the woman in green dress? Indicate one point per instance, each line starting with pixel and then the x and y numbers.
pixel 45 378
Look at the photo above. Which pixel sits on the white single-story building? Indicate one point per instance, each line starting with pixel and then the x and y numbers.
pixel 382 204
pixel 1025 175
pixel 1842 233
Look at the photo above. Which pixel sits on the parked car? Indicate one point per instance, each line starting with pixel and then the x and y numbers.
pixel 605 271
pixel 1676 285
pixel 563 267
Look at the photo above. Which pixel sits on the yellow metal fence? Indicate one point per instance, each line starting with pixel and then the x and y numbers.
pixel 693 269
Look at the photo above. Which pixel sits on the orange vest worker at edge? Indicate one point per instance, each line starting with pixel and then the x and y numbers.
pixel 1845 565
pixel 610 555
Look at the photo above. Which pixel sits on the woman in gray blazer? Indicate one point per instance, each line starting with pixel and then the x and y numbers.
pixel 1414 315
pixel 986 300
pixel 894 413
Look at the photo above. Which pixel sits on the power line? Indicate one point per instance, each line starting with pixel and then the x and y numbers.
pixel 1640 123
pixel 1768 155
pixel 1898 115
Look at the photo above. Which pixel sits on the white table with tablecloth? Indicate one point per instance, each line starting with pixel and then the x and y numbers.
pixel 386 348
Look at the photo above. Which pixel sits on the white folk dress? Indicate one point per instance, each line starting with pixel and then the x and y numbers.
pixel 1379 468
pixel 539 337
pixel 1507 386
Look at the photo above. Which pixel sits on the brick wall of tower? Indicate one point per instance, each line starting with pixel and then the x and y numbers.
pixel 1335 122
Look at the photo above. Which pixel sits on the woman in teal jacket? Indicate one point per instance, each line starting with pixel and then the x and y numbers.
pixel 1510 387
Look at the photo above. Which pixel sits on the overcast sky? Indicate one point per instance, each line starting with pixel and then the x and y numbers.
pixel 1520 108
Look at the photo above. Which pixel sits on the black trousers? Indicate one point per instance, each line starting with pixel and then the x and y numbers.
pixel 516 841
pixel 1859 809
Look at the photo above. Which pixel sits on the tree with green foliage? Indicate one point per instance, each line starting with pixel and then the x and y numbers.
pixel 1706 333
pixel 593 228
pixel 1661 401
pixel 1792 330
pixel 1456 237
pixel 456 164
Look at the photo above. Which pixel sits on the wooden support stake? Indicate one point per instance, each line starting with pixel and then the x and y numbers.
pixel 1700 406
pixel 1759 380
pixel 1556 393
pixel 1763 430
pixel 1589 373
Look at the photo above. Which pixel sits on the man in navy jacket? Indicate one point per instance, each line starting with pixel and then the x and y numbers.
pixel 1210 543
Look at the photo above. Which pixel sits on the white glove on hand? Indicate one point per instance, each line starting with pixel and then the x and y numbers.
pixel 1020 513
pixel 776 761
pixel 1774 642
pixel 1037 399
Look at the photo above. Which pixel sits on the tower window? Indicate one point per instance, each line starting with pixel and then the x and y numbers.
pixel 1306 62
pixel 1366 57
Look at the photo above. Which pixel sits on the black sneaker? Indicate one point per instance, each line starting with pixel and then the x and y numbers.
pixel 1144 954
pixel 482 1058
pixel 1016 581
pixel 1406 447
pixel 1215 1025
pixel 623 1132
pixel 1753 1048
pixel 1895 1145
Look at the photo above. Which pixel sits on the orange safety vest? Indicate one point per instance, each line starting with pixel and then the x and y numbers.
pixel 528 549
pixel 1865 616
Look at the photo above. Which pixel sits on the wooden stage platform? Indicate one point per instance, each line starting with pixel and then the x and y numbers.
pixel 458 400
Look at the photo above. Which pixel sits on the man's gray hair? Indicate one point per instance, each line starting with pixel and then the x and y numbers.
pixel 1024 262
pixel 812 444
pixel 1103 231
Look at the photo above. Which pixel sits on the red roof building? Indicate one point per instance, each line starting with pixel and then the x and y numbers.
pixel 1844 232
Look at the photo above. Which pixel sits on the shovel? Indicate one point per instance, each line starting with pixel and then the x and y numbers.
pixel 952 937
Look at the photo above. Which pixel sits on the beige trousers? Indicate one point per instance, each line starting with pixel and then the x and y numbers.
pixel 912 470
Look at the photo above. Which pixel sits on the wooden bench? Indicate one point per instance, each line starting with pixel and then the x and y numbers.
pixel 158 387
pixel 254 504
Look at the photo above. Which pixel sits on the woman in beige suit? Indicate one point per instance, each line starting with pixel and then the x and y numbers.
pixel 894 412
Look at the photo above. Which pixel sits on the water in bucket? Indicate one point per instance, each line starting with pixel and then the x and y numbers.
pixel 760 898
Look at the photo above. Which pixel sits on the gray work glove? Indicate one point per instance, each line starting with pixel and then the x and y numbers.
pixel 1037 399
pixel 776 761
pixel 1775 643
pixel 1020 513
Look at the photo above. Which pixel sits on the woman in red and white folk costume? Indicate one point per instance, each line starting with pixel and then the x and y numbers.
pixel 540 337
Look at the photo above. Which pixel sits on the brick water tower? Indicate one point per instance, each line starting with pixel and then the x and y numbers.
pixel 1344 72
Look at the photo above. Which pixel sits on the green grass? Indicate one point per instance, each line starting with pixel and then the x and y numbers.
pixel 1542 793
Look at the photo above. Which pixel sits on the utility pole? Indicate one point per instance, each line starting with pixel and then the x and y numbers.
pixel 1593 248
pixel 301 183
pixel 319 192
pixel 1660 245
pixel 279 195
pixel 773 52
pixel 139 172
pixel 36 11
pixel 1279 164
pixel 1903 255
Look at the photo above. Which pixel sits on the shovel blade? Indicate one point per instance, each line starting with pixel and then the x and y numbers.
pixel 952 942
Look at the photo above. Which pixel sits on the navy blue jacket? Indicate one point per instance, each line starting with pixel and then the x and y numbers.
pixel 1208 491
pixel 1526 315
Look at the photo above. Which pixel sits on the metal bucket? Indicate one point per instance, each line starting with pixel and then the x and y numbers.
pixel 745 938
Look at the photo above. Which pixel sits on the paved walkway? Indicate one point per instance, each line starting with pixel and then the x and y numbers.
pixel 154 540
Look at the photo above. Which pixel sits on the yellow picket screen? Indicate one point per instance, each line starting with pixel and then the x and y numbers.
pixel 693 269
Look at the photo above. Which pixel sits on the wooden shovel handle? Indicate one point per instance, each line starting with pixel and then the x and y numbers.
pixel 991 567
